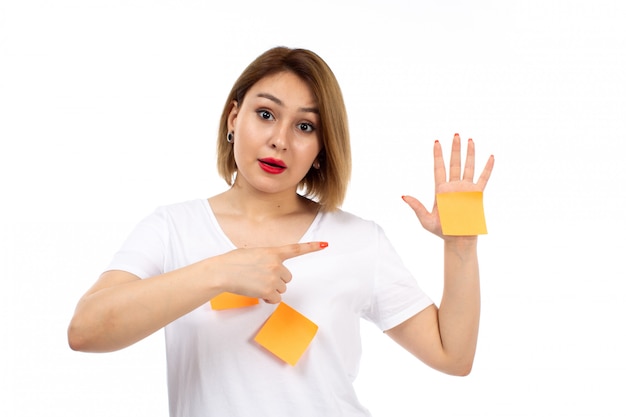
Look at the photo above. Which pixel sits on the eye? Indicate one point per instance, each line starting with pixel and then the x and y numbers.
pixel 306 127
pixel 264 114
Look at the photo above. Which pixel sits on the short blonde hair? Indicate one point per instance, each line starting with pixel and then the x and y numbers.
pixel 328 184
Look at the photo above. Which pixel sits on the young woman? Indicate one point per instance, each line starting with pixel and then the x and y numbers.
pixel 277 234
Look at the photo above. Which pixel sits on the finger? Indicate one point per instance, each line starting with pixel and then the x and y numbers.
pixel 273 299
pixel 440 167
pixel 484 176
pixel 298 249
pixel 286 276
pixel 455 158
pixel 420 210
pixel 282 287
pixel 468 173
pixel 415 204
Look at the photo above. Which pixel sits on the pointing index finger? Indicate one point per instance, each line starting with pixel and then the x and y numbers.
pixel 297 249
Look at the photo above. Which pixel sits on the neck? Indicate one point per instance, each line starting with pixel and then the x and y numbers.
pixel 256 205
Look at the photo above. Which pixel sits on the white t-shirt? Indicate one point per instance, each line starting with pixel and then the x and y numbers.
pixel 215 368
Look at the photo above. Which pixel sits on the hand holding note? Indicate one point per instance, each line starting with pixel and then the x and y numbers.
pixel 458 192
pixel 259 272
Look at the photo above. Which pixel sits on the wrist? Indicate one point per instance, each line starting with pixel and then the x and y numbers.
pixel 461 242
pixel 212 280
pixel 461 248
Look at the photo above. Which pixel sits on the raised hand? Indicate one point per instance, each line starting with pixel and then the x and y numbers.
pixel 259 272
pixel 459 180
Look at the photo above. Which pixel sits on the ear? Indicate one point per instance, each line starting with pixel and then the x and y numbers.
pixel 232 115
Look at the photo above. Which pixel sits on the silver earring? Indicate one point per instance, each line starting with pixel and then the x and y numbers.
pixel 316 165
pixel 230 137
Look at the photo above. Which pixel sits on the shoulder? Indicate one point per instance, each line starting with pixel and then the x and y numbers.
pixel 349 226
pixel 348 219
pixel 183 209
pixel 178 215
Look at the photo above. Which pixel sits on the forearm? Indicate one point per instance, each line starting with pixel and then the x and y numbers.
pixel 116 316
pixel 121 309
pixel 459 311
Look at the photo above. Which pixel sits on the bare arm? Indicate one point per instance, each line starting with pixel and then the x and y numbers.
pixel 445 337
pixel 121 309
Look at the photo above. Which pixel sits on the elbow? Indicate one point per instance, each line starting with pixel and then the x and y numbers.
pixel 461 368
pixel 79 338
pixel 76 344
pixel 76 339
pixel 85 336
pixel 463 371
pixel 456 367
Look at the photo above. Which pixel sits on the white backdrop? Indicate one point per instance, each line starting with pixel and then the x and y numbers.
pixel 110 108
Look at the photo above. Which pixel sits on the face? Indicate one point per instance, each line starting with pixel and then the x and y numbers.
pixel 276 133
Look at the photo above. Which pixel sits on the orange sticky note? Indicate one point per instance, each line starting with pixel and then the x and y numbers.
pixel 462 213
pixel 228 300
pixel 286 334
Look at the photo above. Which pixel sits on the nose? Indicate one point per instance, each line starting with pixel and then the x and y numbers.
pixel 280 136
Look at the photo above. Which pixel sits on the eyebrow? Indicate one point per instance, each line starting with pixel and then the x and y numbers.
pixel 280 103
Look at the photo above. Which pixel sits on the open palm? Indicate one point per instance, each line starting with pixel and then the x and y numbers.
pixel 460 180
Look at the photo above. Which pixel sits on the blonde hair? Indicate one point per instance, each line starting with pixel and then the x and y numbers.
pixel 328 184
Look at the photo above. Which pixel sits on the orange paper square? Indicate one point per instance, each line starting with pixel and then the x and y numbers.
pixel 286 334
pixel 462 213
pixel 228 300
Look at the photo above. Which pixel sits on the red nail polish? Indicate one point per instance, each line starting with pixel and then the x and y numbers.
pixel 437 141
pixel 323 244
pixel 456 134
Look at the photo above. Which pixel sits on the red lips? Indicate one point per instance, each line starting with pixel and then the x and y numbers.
pixel 272 166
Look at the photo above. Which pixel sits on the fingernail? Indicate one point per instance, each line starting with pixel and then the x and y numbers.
pixel 456 135
pixel 437 141
pixel 323 244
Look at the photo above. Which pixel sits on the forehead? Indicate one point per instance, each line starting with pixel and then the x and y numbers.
pixel 286 86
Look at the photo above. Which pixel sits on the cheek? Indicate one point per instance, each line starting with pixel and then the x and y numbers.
pixel 244 139
pixel 240 148
pixel 315 150
pixel 309 148
pixel 307 154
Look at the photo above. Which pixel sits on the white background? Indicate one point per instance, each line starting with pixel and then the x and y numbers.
pixel 110 108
